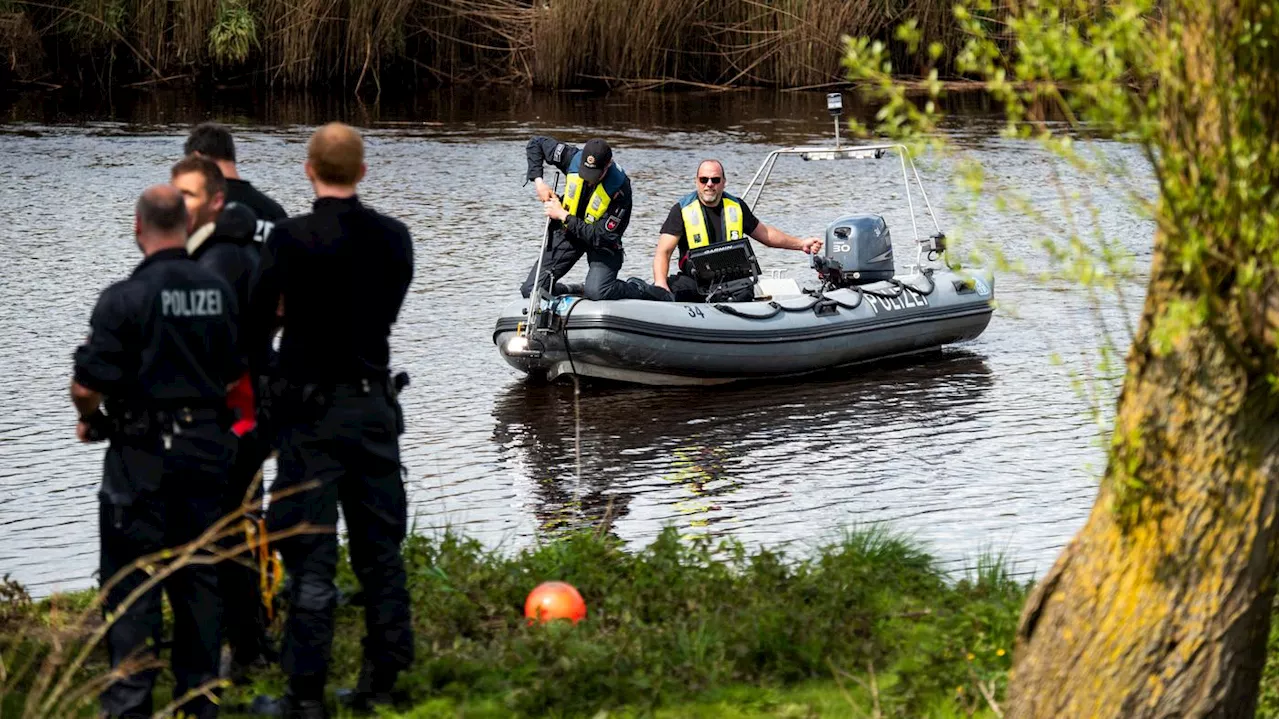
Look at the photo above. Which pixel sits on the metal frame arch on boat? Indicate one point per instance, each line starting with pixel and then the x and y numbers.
pixel 854 152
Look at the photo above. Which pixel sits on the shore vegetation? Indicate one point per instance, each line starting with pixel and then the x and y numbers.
pixel 366 44
pixel 868 622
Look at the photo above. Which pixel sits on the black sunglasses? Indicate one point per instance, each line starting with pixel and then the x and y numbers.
pixel 710 180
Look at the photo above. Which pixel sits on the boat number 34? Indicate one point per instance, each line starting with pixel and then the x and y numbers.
pixel 694 311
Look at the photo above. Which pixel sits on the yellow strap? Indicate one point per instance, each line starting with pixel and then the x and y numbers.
pixel 572 190
pixel 732 220
pixel 270 570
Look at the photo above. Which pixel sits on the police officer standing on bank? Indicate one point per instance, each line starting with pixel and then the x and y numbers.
pixel 214 142
pixel 221 238
pixel 221 231
pixel 160 354
pixel 590 220
pixel 342 273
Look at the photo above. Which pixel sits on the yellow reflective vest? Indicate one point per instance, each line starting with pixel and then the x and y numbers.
pixel 696 233
pixel 573 195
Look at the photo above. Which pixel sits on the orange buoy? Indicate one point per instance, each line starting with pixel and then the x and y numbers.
pixel 555 600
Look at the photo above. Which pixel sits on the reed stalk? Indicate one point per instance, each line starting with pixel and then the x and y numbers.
pixel 53 681
pixel 193 22
pixel 543 43
pixel 24 55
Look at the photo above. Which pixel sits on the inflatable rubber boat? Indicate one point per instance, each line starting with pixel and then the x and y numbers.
pixel 753 327
pixel 674 343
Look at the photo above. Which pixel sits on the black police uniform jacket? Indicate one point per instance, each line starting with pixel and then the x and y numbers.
pixel 267 210
pixel 608 230
pixel 230 248
pixel 163 339
pixel 342 271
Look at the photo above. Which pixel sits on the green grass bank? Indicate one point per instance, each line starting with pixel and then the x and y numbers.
pixel 375 43
pixel 865 626
pixel 676 622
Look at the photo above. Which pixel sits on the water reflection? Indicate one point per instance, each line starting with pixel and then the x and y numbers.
pixel 716 454
pixel 765 115
pixel 989 447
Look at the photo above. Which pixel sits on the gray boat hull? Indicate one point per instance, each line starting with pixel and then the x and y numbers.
pixel 675 343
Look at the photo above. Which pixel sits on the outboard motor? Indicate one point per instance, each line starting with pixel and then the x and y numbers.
pixel 857 251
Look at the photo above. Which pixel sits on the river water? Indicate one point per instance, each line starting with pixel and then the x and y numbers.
pixel 989 447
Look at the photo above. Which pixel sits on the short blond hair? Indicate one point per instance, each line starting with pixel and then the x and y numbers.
pixel 336 153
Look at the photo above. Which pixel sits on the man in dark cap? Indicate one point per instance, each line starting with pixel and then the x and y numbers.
pixel 589 220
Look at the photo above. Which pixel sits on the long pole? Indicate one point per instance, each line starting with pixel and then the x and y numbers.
pixel 536 293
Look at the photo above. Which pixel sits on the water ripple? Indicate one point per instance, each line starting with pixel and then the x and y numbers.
pixel 987 446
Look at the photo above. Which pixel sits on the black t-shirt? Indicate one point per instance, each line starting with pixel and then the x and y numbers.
pixel 713 217
pixel 342 272
pixel 164 336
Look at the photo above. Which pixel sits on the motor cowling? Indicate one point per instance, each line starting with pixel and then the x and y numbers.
pixel 857 251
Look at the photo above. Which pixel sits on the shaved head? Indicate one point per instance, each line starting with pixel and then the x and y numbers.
pixel 161 210
pixel 336 155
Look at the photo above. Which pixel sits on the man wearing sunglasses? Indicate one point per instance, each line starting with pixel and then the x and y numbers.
pixel 589 220
pixel 706 216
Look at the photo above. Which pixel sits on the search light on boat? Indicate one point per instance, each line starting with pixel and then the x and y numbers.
pixel 843 153
pixel 517 344
pixel 835 103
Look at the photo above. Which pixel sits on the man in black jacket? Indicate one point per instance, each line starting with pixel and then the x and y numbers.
pixel 342 273
pixel 214 142
pixel 222 231
pixel 160 354
pixel 590 220
pixel 221 238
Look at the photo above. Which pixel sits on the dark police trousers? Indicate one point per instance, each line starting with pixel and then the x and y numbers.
pixel 346 439
pixel 245 621
pixel 177 495
pixel 603 265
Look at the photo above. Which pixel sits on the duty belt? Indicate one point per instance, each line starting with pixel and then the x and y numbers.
pixel 188 417
pixel 303 396
pixel 135 422
pixel 361 388
pixel 282 401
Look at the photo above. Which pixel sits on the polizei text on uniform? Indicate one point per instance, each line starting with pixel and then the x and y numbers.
pixel 191 303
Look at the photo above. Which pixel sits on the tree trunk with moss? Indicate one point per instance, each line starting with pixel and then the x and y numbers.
pixel 1159 607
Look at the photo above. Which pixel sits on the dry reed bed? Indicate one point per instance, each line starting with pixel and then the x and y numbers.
pixel 545 43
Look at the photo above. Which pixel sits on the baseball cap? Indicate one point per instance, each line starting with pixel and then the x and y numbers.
pixel 595 156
